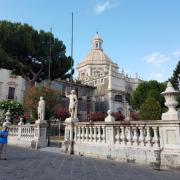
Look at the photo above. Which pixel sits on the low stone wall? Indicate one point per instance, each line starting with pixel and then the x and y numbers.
pixel 155 143
pixel 122 154
pixel 28 136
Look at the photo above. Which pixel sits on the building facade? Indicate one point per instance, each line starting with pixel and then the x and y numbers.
pixel 12 87
pixel 112 87
pixel 85 94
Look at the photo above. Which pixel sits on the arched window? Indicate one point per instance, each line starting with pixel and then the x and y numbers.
pixel 97 46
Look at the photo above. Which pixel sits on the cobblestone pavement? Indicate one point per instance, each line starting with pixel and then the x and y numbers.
pixel 43 165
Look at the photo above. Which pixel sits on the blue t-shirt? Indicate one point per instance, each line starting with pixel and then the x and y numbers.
pixel 3 136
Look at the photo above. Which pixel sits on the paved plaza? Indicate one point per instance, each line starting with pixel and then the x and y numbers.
pixel 52 165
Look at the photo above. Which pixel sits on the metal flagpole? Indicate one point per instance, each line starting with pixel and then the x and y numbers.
pixel 71 50
pixel 49 72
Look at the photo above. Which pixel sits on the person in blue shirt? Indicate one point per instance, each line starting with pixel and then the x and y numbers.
pixel 3 142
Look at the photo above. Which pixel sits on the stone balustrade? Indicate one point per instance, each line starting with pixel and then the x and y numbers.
pixel 133 133
pixel 29 136
pixel 90 133
pixel 145 142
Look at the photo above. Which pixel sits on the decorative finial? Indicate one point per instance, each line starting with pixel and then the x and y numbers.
pixel 169 84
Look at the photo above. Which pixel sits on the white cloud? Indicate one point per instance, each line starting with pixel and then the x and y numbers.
pixel 102 7
pixel 157 76
pixel 156 59
pixel 176 53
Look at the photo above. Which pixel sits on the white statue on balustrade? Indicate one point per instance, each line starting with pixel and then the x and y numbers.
pixel 21 122
pixel 41 109
pixel 109 118
pixel 73 103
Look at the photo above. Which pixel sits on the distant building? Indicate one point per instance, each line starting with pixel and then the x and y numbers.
pixel 12 87
pixel 112 87
pixel 103 86
pixel 85 94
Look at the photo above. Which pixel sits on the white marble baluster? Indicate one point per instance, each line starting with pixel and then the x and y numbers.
pixel 155 139
pixel 79 133
pixel 99 134
pixel 124 139
pixel 75 133
pixel 83 133
pixel 128 132
pixel 87 134
pixel 103 135
pixel 136 136
pixel 91 134
pixel 148 137
pixel 141 137
pixel 118 135
pixel 95 134
pixel 133 135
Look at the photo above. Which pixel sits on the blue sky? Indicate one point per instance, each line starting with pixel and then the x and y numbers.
pixel 142 36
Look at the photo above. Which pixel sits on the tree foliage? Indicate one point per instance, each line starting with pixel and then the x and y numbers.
pixel 15 108
pixel 100 116
pixel 175 79
pixel 60 112
pixel 150 109
pixel 25 51
pixel 148 89
pixel 32 97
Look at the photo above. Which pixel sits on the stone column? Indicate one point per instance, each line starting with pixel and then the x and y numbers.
pixel 169 131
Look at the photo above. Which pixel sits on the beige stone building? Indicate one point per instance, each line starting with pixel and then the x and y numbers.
pixel 11 87
pixel 112 87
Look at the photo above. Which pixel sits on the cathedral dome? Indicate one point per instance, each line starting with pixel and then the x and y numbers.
pixel 97 55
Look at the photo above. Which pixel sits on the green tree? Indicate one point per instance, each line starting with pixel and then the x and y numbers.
pixel 25 51
pixel 150 109
pixel 147 89
pixel 31 99
pixel 175 79
pixel 15 108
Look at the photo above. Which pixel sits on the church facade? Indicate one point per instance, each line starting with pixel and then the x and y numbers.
pixel 113 88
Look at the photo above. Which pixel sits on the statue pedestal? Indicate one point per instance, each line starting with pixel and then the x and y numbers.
pixel 40 134
pixel 174 115
pixel 7 123
pixel 110 119
pixel 70 120
pixel 68 146
pixel 128 118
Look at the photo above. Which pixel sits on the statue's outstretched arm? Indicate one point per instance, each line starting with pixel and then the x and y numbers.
pixel 66 94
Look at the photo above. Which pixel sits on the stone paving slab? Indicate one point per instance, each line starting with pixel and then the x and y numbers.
pixel 51 149
pixel 48 164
